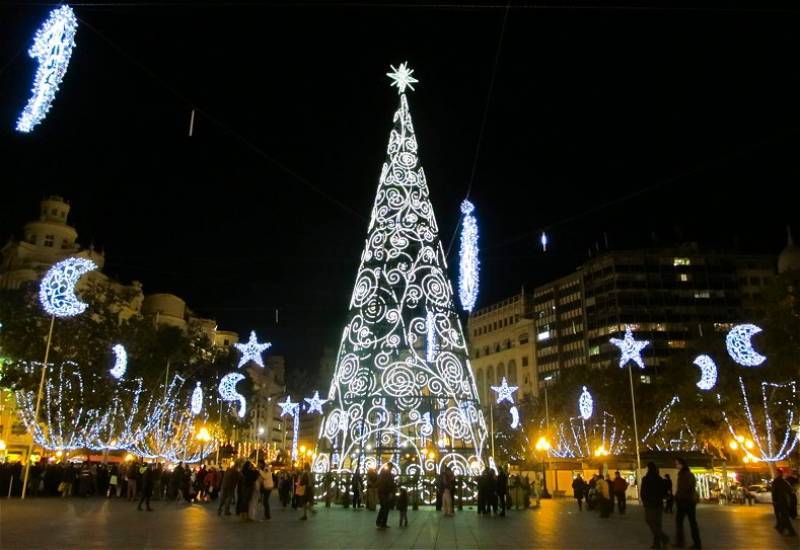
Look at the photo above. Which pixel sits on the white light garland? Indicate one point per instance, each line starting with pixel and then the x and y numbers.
pixel 430 340
pixel 514 417
pixel 120 361
pixel 315 403
pixel 630 349
pixel 57 289
pixel 740 345
pixel 469 275
pixel 672 437
pixel 293 410
pixel 52 49
pixel 586 404
pixel 227 391
pixel 504 391
pixel 197 399
pixel 252 350
pixel 708 372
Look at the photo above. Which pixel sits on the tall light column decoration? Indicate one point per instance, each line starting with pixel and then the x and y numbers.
pixel 293 410
pixel 468 273
pixel 384 384
pixel 631 352
pixel 58 299
pixel 504 393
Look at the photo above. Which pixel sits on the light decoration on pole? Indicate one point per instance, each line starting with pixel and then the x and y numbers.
pixel 252 350
pixel 740 345
pixel 630 349
pixel 543 240
pixel 57 289
pixel 708 372
pixel 585 404
pixel 293 410
pixel 197 399
pixel 383 383
pixel 430 340
pixel 120 361
pixel 668 436
pixel 315 403
pixel 504 392
pixel 469 275
pixel 783 397
pixel 514 417
pixel 52 49
pixel 227 391
pixel 401 77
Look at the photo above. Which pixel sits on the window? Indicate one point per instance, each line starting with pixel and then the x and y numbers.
pixel 525 361
pixel 477 353
pixel 681 261
pixel 32 238
pixel 544 335
pixel 594 350
pixel 64 244
pixel 645 379
pixel 523 339
pixel 684 277
pixel 48 240
pixel 702 294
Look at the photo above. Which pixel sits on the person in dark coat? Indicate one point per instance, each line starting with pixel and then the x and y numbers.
pixel 244 490
pixel 230 480
pixel 781 504
pixel 501 488
pixel 653 500
pixel 356 485
pixel 579 490
pixel 178 475
pixel 385 492
pixel 620 487
pixel 483 492
pixel 402 507
pixel 491 492
pixel 147 487
pixel 669 499
pixel 686 501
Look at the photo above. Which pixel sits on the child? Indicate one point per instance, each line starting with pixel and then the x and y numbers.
pixel 402 507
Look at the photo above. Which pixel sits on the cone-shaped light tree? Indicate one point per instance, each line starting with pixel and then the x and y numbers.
pixel 396 397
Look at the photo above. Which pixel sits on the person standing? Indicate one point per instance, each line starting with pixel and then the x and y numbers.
pixel 686 500
pixel 782 503
pixel 133 470
pixel 620 487
pixel 448 485
pixel 502 490
pixel 147 488
pixel 669 499
pixel 402 508
pixel 304 492
pixel 244 490
pixel 372 489
pixel 653 499
pixel 68 479
pixel 604 502
pixel 385 488
pixel 229 482
pixel 578 490
pixel 158 488
pixel 355 486
pixel 178 475
pixel 267 484
pixel 482 492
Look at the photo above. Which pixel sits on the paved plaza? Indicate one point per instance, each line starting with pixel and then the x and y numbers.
pixel 100 523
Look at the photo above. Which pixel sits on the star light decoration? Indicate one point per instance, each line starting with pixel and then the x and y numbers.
pixel 288 407
pixel 315 403
pixel 401 77
pixel 252 350
pixel 293 410
pixel 630 349
pixel 468 273
pixel 57 289
pixel 504 392
pixel 52 49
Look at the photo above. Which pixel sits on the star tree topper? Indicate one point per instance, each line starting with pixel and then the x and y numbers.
pixel 315 403
pixel 252 350
pixel 504 391
pixel 401 77
pixel 287 407
pixel 630 349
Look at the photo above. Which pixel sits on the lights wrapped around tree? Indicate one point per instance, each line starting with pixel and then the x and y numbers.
pixel 57 289
pixel 579 438
pixel 384 388
pixel 52 49
pixel 469 275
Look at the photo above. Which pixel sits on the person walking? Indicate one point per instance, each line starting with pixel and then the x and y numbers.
pixel 147 488
pixel 267 484
pixel 620 487
pixel 686 500
pixel 229 482
pixel 604 502
pixel 502 490
pixel 304 491
pixel 578 490
pixel 448 486
pixel 385 488
pixel 133 471
pixel 284 488
pixel 669 498
pixel 653 500
pixel 356 486
pixel 372 489
pixel 244 491
pixel 402 508
pixel 68 479
pixel 483 480
pixel 178 475
pixel 782 503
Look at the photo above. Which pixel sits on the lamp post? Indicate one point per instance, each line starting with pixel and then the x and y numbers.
pixel 543 446
pixel 203 437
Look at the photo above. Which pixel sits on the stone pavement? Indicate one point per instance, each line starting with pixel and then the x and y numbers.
pixel 100 523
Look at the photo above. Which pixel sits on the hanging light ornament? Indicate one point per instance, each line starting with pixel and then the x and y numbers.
pixel 586 404
pixel 57 289
pixel 504 391
pixel 543 240
pixel 120 362
pixel 630 349
pixel 252 350
pixel 227 391
pixel 708 372
pixel 197 399
pixel 469 276
pixel 740 345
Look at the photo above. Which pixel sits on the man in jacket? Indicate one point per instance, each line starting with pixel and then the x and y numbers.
pixel 578 490
pixel 356 486
pixel 385 492
pixel 372 489
pixel 147 487
pixel 653 492
pixel 502 489
pixel 781 503
pixel 229 482
pixel 686 501
pixel 620 487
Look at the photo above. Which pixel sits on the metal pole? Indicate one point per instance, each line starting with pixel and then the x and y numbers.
pixel 491 426
pixel 635 432
pixel 546 411
pixel 38 404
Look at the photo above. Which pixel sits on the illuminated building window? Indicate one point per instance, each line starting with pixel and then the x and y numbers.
pixel 594 350
pixel 543 335
pixel 684 277
pixel 702 294
pixel 681 261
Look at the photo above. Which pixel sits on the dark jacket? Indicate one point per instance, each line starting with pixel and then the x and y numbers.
pixel 230 479
pixel 781 494
pixel 685 492
pixel 578 487
pixel 385 484
pixel 652 490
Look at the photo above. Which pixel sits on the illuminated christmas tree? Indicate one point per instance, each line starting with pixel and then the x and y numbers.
pixel 402 392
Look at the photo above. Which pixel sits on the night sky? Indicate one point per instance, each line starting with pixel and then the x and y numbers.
pixel 678 124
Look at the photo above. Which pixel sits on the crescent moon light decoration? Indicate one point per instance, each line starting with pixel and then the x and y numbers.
pixel 227 391
pixel 57 289
pixel 52 49
pixel 197 399
pixel 740 345
pixel 586 404
pixel 708 372
pixel 514 418
pixel 120 362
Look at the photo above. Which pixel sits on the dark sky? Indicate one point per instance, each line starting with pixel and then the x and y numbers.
pixel 697 108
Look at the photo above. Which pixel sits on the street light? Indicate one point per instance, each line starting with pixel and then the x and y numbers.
pixel 203 437
pixel 543 446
